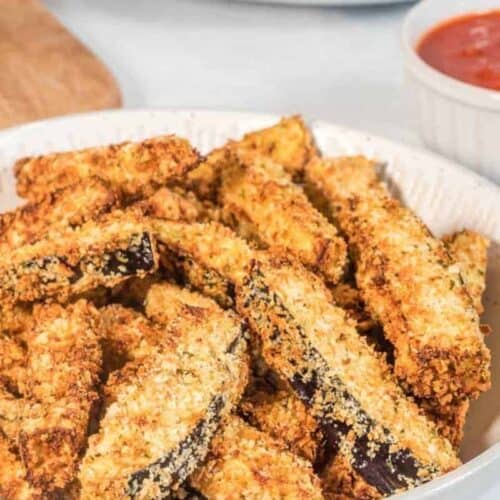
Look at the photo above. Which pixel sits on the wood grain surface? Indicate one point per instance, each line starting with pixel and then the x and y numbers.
pixel 44 70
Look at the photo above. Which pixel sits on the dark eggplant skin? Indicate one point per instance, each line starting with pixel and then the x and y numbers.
pixel 64 275
pixel 184 459
pixel 187 492
pixel 171 471
pixel 185 270
pixel 348 428
pixel 132 260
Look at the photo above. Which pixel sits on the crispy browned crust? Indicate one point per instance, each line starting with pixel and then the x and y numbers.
pixel 246 463
pixel 16 320
pixel 98 253
pixel 469 250
pixel 289 143
pixel 10 411
pixel 150 437
pixel 339 481
pixel 134 169
pixel 170 205
pixel 126 335
pixel 344 383
pixel 451 422
pixel 208 256
pixel 67 207
pixel 285 418
pixel 260 200
pixel 132 292
pixel 349 298
pixel 12 364
pixel 64 364
pixel 168 304
pixel 407 280
pixel 13 483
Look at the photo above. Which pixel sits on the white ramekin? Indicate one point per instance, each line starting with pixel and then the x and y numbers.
pixel 459 120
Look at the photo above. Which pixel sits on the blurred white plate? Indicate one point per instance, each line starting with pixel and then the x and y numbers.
pixel 447 197
pixel 329 2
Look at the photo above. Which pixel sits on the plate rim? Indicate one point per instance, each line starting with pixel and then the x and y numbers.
pixel 446 163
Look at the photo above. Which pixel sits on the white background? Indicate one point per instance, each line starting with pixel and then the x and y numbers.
pixel 337 64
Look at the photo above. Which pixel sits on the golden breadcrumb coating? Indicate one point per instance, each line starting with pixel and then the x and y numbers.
pixel 13 483
pixel 192 319
pixel 284 417
pixel 170 205
pixel 339 481
pixel 64 364
pixel 288 143
pixel 469 250
pixel 168 304
pixel 98 253
pixel 12 363
pixel 10 408
pixel 260 200
pixel 349 298
pixel 67 207
pixel 409 284
pixel 209 256
pixel 346 385
pixel 126 335
pixel 246 463
pixel 16 320
pixel 178 317
pixel 132 292
pixel 160 422
pixel 451 422
pixel 134 169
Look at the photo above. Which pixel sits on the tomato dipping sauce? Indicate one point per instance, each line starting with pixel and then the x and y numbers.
pixel 466 48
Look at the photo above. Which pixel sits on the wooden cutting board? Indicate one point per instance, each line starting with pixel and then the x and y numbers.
pixel 44 70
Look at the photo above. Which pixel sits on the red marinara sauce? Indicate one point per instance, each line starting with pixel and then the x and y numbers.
pixel 466 48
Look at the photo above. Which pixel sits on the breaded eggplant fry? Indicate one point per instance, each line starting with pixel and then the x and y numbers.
pixel 133 169
pixel 409 284
pixel 126 335
pixel 348 388
pixel 339 481
pixel 167 304
pixel 10 410
pixel 168 204
pixel 64 365
pixel 12 364
pixel 68 207
pixel 13 483
pixel 349 298
pixel 284 417
pixel 469 250
pixel 209 256
pixel 132 292
pixel 192 319
pixel 226 261
pixel 262 203
pixel 450 423
pixel 164 412
pixel 98 253
pixel 246 463
pixel 289 143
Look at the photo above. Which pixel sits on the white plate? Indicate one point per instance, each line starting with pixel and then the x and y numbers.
pixel 446 196
pixel 329 2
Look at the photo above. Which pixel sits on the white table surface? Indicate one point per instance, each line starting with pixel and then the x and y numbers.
pixel 337 64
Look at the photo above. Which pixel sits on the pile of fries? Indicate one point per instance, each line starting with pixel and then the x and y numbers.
pixel 262 322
